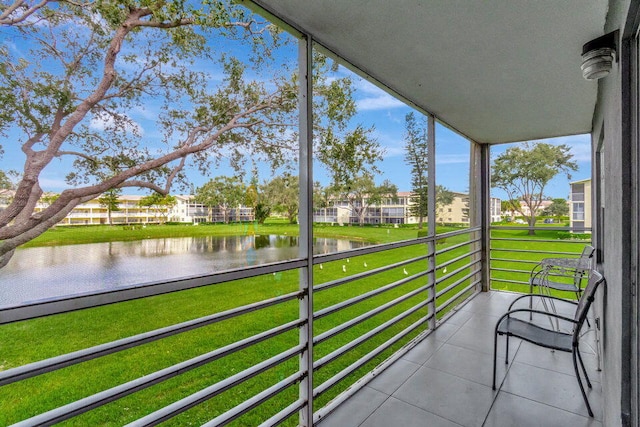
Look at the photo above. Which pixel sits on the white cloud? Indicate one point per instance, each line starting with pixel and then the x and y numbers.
pixel 449 159
pixel 104 122
pixel 375 98
pixel 382 102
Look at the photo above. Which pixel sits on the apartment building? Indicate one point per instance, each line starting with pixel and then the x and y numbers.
pixel 580 205
pixel 398 211
pixel 131 212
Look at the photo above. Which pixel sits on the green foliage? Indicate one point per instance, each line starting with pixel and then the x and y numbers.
pixel 89 65
pixel 558 209
pixel 444 196
pixel 509 205
pixel 261 212
pixel 566 235
pixel 159 204
pixel 224 193
pixel 281 195
pixel 110 199
pixel 524 171
pixel 417 156
pixel 49 198
pixel 346 157
pixel 361 192
pixel 5 182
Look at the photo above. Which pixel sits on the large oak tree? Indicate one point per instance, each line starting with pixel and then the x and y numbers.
pixel 524 171
pixel 73 74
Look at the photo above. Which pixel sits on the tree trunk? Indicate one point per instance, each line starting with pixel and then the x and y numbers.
pixel 532 223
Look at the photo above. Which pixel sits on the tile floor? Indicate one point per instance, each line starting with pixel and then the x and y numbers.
pixel 446 381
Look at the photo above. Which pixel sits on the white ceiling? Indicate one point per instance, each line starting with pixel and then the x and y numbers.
pixel 494 70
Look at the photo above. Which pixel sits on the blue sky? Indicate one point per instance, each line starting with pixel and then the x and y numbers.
pixel 375 108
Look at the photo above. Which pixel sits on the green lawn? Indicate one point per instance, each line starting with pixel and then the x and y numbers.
pixel 37 339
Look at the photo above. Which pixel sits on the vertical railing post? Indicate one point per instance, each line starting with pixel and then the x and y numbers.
pixel 305 216
pixel 480 206
pixel 485 196
pixel 431 216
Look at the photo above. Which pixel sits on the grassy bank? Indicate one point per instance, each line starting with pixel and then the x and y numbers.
pixel 71 235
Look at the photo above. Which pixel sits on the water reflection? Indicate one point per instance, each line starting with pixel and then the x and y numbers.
pixel 38 273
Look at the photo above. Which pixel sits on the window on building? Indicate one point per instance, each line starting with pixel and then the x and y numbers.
pixel 577 192
pixel 578 211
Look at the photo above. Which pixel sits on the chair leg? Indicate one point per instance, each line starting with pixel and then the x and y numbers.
pixel 586 376
pixel 506 351
pixel 495 356
pixel 530 299
pixel 584 394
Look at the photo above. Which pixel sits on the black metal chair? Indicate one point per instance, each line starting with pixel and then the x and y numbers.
pixel 529 331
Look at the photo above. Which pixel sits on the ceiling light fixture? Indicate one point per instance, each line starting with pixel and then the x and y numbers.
pixel 598 56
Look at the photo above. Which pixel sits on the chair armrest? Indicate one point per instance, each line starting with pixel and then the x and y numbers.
pixel 534 311
pixel 541 296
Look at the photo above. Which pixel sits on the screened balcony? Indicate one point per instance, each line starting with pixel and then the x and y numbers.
pixel 405 340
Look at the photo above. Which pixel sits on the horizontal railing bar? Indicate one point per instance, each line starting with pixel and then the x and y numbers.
pixel 364 337
pixel 458 258
pixel 354 277
pixel 456 246
pixel 518 282
pixel 451 300
pixel 99 399
pixel 48 307
pixel 547 274
pixel 526 228
pixel 195 399
pixel 318 259
pixel 351 301
pixel 458 232
pixel 523 239
pixel 283 415
pixel 523 261
pixel 69 359
pixel 454 272
pixel 533 251
pixel 253 402
pixel 336 256
pixel 321 413
pixel 361 318
pixel 367 357
pixel 458 282
pixel 510 270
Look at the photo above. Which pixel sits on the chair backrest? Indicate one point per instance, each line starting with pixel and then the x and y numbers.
pixel 585 265
pixel 587 255
pixel 588 295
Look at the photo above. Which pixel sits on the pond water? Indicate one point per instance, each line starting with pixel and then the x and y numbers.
pixel 47 272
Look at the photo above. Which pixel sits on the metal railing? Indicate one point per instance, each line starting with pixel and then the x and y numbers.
pixel 378 302
pixel 514 253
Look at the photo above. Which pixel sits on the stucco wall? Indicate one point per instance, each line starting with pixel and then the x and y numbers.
pixel 607 127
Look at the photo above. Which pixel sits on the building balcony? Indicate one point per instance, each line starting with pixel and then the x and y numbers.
pixel 446 379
